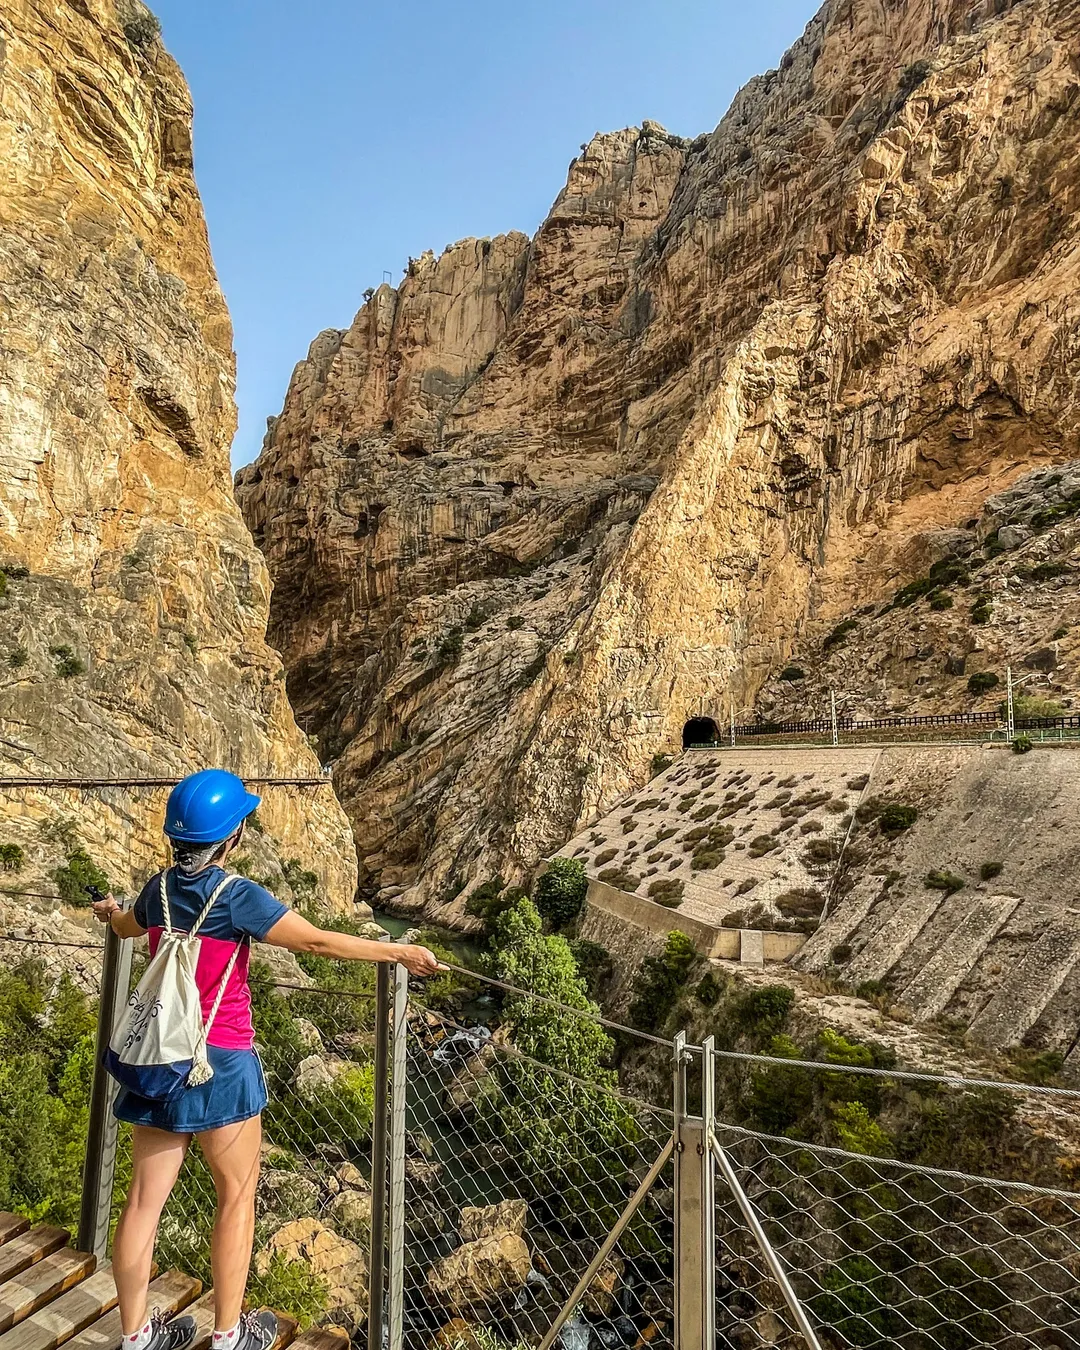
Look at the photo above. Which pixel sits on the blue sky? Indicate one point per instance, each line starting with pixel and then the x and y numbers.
pixel 336 138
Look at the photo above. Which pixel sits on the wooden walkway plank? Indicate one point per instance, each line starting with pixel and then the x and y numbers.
pixel 59 1320
pixel 11 1225
pixel 320 1338
pixel 40 1284
pixel 168 1294
pixel 29 1248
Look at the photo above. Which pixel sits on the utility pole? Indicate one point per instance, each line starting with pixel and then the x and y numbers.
pixel 1009 703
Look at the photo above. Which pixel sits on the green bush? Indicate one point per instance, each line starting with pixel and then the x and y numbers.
pixel 707 859
pixel 12 858
pixel 449 646
pixel 605 856
pixel 1046 571
pixel 761 1013
pixel 489 900
pixel 142 29
pixel 300 881
pixel 945 881
pixel 79 872
pixel 940 600
pixel 762 844
pixel 291 1287
pixel 67 664
pixel 667 892
pixel 18 658
pixel 839 634
pixel 914 75
pixel 708 990
pixel 1032 705
pixel 980 611
pixel 524 956
pixel 892 817
pixel 659 763
pixel 660 980
pixel 620 878
pixel 476 618
pixel 514 622
pixel 841 953
pixel 560 892
pixel 594 964
pixel 46 1063
pixel 339 1115
pixel 1021 744
pixel 981 682
pixel 989 870
pixel 821 851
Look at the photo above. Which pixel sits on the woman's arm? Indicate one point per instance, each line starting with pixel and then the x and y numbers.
pixel 122 921
pixel 296 934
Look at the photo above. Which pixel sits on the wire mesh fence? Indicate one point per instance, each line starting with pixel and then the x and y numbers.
pixel 508 1177
pixel 884 1255
pixel 515 1172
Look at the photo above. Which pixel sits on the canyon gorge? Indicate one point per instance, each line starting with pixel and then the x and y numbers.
pixel 548 497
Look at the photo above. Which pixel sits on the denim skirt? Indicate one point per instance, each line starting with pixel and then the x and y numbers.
pixel 236 1092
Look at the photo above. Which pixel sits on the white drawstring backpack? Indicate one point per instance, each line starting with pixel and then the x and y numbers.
pixel 158 1045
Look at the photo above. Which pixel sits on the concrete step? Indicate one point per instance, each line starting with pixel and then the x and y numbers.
pixel 967 924
pixel 1039 975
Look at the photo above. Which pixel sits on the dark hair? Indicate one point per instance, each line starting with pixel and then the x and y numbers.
pixel 192 858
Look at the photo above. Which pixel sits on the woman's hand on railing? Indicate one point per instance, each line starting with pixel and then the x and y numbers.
pixel 416 960
pixel 105 908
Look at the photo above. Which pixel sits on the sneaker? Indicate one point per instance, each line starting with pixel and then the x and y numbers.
pixel 169 1333
pixel 258 1330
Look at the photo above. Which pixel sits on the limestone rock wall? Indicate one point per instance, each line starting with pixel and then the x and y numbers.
pixel 132 634
pixel 718 402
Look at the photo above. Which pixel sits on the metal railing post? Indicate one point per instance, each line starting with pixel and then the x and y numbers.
pixel 835 728
pixel 379 1135
pixel 99 1163
pixel 708 1192
pixel 398 1088
pixel 690 1168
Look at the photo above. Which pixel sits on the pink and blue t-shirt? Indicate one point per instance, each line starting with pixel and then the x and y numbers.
pixel 243 910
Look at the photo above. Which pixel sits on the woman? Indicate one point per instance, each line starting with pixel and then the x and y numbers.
pixel 204 820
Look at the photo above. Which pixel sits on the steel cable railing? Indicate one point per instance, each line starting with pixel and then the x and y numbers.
pixel 472 1194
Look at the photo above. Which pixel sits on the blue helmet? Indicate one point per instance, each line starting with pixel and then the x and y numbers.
pixel 207 807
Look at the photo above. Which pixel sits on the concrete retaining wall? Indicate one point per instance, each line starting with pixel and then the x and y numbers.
pixel 721 943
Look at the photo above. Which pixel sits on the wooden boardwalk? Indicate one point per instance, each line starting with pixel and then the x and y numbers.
pixel 51 1295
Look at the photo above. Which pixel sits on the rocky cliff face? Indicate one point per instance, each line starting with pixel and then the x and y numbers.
pixel 548 497
pixel 134 603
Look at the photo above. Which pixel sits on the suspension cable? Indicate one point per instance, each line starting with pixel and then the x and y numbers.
pixel 586 1013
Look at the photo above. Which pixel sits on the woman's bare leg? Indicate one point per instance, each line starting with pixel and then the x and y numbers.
pixel 156 1159
pixel 232 1153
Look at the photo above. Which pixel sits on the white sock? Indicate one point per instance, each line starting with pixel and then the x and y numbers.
pixel 222 1339
pixel 139 1340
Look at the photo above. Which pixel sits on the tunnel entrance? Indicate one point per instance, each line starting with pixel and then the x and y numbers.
pixel 700 731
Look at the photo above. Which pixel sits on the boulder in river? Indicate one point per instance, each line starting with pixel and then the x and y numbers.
pixel 484 1221
pixel 482 1274
pixel 340 1264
